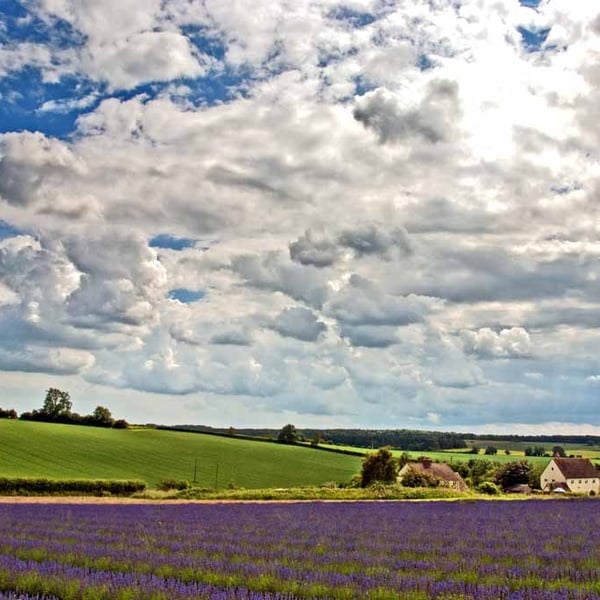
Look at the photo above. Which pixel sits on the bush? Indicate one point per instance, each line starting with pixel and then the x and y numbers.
pixel 173 484
pixel 489 487
pixel 415 479
pixel 514 473
pixel 85 487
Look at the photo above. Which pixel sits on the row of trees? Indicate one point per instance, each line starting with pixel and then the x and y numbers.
pixel 57 408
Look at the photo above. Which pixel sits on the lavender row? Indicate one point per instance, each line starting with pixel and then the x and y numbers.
pixel 534 550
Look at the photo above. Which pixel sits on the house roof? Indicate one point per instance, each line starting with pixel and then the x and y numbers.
pixel 576 468
pixel 439 470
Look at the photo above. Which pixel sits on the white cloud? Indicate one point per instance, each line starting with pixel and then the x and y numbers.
pixel 514 342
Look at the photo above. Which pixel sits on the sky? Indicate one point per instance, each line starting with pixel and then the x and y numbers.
pixel 362 213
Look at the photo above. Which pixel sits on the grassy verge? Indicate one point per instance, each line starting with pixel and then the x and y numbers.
pixel 310 493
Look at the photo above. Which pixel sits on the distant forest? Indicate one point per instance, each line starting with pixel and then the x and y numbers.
pixel 405 439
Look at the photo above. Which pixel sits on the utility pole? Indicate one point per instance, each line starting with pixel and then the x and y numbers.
pixel 217 477
pixel 195 470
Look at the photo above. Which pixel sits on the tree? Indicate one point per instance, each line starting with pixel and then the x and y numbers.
pixel 379 466
pixel 57 404
pixel 288 434
pixel 513 473
pixel 102 416
pixel 404 459
pixel 491 450
pixel 558 451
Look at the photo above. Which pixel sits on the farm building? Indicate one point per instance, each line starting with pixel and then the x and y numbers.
pixel 571 475
pixel 441 471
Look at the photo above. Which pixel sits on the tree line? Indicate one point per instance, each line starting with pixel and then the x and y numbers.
pixel 483 475
pixel 57 408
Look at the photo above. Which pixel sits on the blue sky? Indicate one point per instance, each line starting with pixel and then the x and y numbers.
pixel 359 213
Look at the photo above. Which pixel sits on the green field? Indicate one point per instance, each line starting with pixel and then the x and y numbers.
pixel 457 456
pixel 29 449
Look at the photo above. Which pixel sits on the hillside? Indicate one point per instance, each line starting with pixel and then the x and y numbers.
pixel 29 449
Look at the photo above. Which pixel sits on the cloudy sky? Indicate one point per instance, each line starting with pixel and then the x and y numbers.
pixel 377 213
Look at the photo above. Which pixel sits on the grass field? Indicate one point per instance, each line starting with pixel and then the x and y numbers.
pixel 459 456
pixel 30 449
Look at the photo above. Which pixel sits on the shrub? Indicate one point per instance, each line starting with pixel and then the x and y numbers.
pixel 173 484
pixel 86 487
pixel 514 473
pixel 489 487
pixel 416 479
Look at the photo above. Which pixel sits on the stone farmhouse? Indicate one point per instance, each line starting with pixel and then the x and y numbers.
pixel 576 475
pixel 441 471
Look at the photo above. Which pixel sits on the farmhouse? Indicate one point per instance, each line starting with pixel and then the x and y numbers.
pixel 571 475
pixel 441 471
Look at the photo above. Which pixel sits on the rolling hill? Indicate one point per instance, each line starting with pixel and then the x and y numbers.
pixel 30 449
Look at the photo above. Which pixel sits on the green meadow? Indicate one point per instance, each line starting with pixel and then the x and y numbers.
pixel 30 449
pixel 455 456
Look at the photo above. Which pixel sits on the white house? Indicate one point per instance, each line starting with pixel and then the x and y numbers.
pixel 576 475
pixel 441 471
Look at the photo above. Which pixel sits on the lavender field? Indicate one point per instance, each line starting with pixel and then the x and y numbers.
pixel 516 550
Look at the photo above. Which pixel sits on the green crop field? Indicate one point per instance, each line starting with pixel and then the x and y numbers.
pixel 29 449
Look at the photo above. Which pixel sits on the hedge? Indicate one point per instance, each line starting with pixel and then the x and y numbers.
pixel 86 487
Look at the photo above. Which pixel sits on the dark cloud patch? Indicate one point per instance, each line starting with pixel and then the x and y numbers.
pixel 312 250
pixel 549 317
pixel 272 272
pixel 371 240
pixel 433 121
pixel 363 303
pixel 365 240
pixel 370 336
pixel 232 337
pixel 299 323
pixel 489 273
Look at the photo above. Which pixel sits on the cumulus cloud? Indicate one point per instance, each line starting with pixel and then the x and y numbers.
pixel 143 57
pixel 507 343
pixel 361 302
